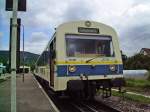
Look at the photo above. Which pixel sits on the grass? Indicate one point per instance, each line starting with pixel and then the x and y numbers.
pixel 2 80
pixel 138 83
pixel 132 97
pixel 138 86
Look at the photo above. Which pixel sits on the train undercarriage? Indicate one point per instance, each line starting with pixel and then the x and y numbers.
pixel 87 89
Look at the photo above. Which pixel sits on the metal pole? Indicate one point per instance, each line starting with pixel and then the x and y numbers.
pixel 13 56
pixel 23 52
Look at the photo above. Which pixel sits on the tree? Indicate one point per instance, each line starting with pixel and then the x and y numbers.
pixel 138 61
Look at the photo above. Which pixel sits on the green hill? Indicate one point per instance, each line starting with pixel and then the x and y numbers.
pixel 30 58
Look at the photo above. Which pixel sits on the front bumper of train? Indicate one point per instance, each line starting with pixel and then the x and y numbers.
pixel 61 82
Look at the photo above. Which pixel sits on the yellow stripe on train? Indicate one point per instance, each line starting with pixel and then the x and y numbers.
pixel 89 63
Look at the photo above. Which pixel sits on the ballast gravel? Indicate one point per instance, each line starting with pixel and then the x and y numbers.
pixel 124 105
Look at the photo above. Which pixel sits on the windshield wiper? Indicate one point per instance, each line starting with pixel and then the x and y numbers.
pixel 87 61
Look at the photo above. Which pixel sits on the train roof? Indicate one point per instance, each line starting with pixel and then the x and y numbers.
pixel 83 23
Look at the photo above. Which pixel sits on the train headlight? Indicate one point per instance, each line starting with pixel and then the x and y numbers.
pixel 112 67
pixel 72 68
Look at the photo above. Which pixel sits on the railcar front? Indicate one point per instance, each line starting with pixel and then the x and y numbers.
pixel 87 57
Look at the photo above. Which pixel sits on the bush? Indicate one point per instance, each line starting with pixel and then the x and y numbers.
pixel 138 61
pixel 138 83
pixel 148 76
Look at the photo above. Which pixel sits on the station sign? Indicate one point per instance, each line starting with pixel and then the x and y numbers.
pixel 88 30
pixel 21 5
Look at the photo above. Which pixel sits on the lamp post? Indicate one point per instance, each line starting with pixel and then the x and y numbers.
pixel 14 6
pixel 13 55
pixel 23 50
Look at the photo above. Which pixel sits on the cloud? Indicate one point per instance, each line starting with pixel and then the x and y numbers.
pixel 46 13
pixel 124 16
pixel 135 38
pixel 130 18
pixel 135 13
pixel 76 11
pixel 135 28
pixel 38 37
pixel 36 42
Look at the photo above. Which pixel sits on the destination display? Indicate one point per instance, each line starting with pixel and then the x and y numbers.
pixel 88 30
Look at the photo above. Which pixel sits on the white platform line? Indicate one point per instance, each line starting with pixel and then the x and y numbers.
pixel 54 108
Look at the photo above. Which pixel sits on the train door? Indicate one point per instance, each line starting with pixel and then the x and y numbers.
pixel 52 62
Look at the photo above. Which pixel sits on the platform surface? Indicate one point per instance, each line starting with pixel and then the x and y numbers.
pixel 30 97
pixel 5 94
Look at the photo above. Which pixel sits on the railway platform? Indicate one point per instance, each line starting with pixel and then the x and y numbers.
pixel 31 97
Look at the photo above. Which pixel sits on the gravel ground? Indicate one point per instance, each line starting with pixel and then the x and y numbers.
pixel 125 105
pixel 147 91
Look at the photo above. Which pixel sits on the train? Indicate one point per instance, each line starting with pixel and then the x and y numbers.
pixel 82 57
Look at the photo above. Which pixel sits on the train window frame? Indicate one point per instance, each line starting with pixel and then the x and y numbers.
pixel 52 46
pixel 112 56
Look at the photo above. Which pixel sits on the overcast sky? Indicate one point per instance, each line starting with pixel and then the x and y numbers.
pixel 130 18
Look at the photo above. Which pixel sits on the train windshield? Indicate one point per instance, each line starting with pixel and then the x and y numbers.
pixel 89 46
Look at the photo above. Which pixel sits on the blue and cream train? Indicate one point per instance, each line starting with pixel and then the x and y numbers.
pixel 82 56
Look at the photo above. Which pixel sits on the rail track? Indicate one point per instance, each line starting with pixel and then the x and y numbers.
pixel 93 106
pixel 84 108
pixel 67 104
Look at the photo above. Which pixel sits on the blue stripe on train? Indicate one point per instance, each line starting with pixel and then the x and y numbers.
pixel 88 70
